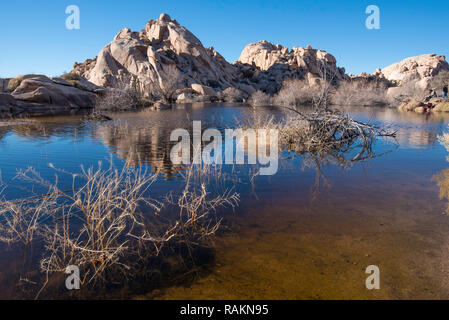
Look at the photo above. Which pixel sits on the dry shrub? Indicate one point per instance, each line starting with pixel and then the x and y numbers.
pixel 323 131
pixel 405 92
pixel 360 93
pixel 71 76
pixel 259 99
pixel 322 137
pixel 166 88
pixel 440 80
pixel 296 92
pixel 122 97
pixel 14 83
pixel 231 95
pixel 108 225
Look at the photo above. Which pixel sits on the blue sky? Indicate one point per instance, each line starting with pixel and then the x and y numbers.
pixel 35 39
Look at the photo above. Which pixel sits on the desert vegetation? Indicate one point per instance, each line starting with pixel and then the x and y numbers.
pixel 259 99
pixel 166 90
pixel 230 95
pixel 108 224
pixel 14 83
pixel 440 80
pixel 321 133
pixel 123 97
pixel 360 93
pixel 295 92
pixel 71 76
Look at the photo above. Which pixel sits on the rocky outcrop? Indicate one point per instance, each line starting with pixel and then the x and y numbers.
pixel 165 53
pixel 4 85
pixel 267 65
pixel 440 105
pixel 411 105
pixel 40 95
pixel 418 71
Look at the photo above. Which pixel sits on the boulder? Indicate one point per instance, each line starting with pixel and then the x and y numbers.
pixel 184 98
pixel 441 104
pixel 248 89
pixel 7 102
pixel 4 84
pixel 419 70
pixel 267 65
pixel 203 90
pixel 410 105
pixel 43 90
pixel 164 53
pixel 419 110
pixel 40 95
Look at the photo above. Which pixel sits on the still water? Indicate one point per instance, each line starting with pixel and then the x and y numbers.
pixel 289 238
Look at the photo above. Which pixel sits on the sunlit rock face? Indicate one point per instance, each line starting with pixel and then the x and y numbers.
pixel 40 95
pixel 275 63
pixel 162 51
pixel 266 55
pixel 143 141
pixel 419 70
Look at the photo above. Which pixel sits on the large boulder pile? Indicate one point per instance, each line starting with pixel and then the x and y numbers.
pixel 418 71
pixel 267 65
pixel 166 54
pixel 163 54
pixel 40 95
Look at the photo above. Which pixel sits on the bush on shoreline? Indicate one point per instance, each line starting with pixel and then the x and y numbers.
pixel 360 93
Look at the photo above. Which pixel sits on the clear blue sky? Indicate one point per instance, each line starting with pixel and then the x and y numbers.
pixel 34 38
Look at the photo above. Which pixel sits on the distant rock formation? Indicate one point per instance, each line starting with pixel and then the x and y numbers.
pixel 274 63
pixel 168 59
pixel 418 70
pixel 165 52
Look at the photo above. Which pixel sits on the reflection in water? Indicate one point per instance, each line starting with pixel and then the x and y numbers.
pixel 280 244
pixel 140 142
pixel 443 177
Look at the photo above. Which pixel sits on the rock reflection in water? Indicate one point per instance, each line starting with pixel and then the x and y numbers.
pixel 135 143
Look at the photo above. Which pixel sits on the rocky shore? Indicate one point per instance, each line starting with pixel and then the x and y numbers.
pixel 39 95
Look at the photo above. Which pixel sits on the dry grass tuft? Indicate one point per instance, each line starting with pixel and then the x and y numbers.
pixel 123 97
pixel 360 93
pixel 108 224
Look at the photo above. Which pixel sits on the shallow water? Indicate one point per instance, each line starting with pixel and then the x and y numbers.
pixel 288 239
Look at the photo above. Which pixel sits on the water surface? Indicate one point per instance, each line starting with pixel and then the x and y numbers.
pixel 288 239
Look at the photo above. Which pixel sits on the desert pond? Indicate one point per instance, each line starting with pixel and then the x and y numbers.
pixel 289 238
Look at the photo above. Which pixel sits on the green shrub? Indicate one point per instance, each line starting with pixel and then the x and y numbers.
pixel 71 77
pixel 14 83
